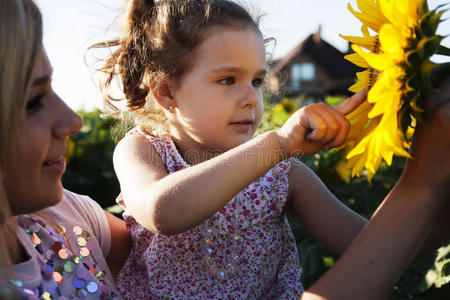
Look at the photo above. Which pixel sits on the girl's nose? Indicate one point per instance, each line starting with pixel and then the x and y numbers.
pixel 250 97
pixel 67 122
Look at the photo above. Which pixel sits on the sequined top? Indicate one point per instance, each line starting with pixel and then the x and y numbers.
pixel 69 265
pixel 244 251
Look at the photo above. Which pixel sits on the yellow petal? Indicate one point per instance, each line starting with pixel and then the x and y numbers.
pixel 381 107
pixel 391 39
pixel 361 146
pixel 370 14
pixel 378 61
pixel 360 111
pixel 400 12
pixel 365 76
pixel 364 80
pixel 368 43
pixel 342 171
pixel 385 98
pixel 356 59
pixel 357 86
pixel 359 149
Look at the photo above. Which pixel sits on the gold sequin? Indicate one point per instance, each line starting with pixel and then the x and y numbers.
pixel 35 239
pixel 63 254
pixel 84 251
pixel 81 242
pixel 76 259
pixel 100 276
pixel 58 278
pixel 77 230
pixel 86 235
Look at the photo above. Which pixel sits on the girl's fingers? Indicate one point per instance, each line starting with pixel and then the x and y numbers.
pixel 333 126
pixel 315 124
pixel 350 104
pixel 344 129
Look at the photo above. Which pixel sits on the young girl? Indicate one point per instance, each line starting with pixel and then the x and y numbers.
pixel 203 199
pixel 54 244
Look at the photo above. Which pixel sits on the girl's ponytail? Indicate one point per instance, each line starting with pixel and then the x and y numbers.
pixel 135 53
pixel 129 61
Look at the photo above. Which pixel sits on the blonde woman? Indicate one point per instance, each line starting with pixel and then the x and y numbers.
pixel 53 243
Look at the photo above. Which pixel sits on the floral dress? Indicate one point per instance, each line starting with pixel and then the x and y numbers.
pixel 244 251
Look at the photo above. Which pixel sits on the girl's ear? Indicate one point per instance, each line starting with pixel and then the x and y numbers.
pixel 162 92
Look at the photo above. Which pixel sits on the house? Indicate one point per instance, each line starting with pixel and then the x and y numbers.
pixel 314 68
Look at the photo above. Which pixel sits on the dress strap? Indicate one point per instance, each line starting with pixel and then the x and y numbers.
pixel 166 148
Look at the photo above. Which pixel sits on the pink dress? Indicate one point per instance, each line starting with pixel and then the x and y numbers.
pixel 244 251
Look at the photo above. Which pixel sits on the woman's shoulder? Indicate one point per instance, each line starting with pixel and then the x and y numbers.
pixel 72 205
pixel 80 210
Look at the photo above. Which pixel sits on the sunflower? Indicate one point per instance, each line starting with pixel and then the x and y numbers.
pixel 396 59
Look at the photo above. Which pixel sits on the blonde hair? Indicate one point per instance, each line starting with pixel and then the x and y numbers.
pixel 158 42
pixel 20 52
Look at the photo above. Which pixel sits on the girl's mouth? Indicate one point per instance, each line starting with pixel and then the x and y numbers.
pixel 242 126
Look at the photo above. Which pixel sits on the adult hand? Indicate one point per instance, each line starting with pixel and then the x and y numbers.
pixel 430 166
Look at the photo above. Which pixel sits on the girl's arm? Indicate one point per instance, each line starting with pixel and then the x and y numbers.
pixel 173 203
pixel 327 219
pixel 120 244
pixel 389 242
pixel 177 202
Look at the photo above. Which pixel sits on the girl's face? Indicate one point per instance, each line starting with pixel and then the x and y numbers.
pixel 38 164
pixel 219 101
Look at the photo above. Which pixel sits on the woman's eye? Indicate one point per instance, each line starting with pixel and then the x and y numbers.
pixel 228 81
pixel 257 82
pixel 35 103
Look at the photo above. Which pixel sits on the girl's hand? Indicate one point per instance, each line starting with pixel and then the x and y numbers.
pixel 317 127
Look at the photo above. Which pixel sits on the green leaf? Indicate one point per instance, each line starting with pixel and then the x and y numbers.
pixel 328 261
pixel 442 50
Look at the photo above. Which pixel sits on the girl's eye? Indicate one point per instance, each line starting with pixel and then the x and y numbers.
pixel 257 82
pixel 35 103
pixel 228 81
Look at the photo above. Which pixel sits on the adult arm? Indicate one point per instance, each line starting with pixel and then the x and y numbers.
pixel 335 225
pixel 389 242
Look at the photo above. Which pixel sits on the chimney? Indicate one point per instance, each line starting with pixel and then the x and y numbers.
pixel 349 48
pixel 317 36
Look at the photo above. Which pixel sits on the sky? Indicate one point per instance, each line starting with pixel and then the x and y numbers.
pixel 70 26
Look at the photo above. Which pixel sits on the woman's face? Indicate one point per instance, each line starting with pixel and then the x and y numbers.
pixel 34 181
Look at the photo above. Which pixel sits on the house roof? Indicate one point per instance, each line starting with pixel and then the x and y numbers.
pixel 324 54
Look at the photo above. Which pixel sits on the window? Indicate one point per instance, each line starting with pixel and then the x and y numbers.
pixel 301 72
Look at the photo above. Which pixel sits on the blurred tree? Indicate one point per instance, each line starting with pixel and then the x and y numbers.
pixel 89 160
